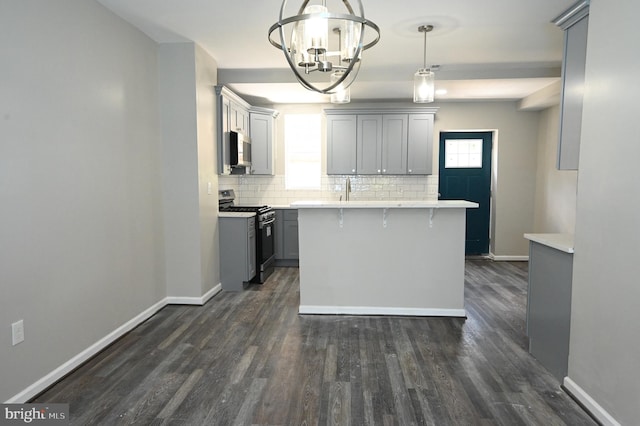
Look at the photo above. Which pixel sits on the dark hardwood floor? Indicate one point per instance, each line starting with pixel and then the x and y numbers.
pixel 249 358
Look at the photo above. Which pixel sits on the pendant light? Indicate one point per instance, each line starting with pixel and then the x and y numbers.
pixel 305 42
pixel 424 78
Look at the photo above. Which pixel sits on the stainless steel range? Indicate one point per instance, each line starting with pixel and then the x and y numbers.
pixel 265 236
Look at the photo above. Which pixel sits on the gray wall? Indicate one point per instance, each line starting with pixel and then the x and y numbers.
pixel 187 76
pixel 206 79
pixel 555 196
pixel 514 165
pixel 81 247
pixel 176 70
pixel 605 349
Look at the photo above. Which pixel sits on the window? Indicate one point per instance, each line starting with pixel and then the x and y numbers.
pixel 302 151
pixel 463 153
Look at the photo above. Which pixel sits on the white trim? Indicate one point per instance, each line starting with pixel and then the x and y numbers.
pixel 208 295
pixel 75 362
pixel 508 258
pixel 174 300
pixel 360 310
pixel 589 403
pixel 58 373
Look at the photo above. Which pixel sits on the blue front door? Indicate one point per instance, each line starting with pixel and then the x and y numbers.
pixel 465 174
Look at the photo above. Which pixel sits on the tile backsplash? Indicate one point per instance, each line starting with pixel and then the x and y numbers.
pixel 271 189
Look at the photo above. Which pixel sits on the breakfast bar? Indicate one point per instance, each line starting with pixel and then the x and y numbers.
pixel 382 257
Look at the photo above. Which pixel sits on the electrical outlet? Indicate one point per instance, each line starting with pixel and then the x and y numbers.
pixel 17 332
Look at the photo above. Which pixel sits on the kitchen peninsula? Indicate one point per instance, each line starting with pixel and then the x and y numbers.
pixel 382 257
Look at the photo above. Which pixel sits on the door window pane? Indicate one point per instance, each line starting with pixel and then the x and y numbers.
pixel 463 153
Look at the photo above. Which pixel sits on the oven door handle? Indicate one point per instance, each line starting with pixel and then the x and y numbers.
pixel 267 222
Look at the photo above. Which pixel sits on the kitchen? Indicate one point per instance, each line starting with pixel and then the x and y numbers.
pixel 155 231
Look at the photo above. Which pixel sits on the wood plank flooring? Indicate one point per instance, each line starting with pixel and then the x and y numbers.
pixel 248 358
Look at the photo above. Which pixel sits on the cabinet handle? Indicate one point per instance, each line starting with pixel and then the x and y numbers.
pixel 384 170
pixel 378 170
pixel 409 170
pixel 353 170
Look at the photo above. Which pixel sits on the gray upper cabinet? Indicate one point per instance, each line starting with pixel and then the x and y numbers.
pixel 341 144
pixel 233 114
pixel 420 144
pixel 369 144
pixel 239 118
pixel 394 144
pixel 575 23
pixel 262 133
pixel 380 141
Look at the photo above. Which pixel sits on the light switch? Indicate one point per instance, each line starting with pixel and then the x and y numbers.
pixel 209 188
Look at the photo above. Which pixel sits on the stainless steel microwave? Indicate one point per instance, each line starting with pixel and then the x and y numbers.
pixel 239 150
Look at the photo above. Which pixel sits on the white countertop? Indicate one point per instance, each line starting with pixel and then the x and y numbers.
pixel 236 214
pixel 402 204
pixel 562 242
pixel 281 206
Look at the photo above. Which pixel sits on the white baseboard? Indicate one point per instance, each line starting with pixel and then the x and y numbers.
pixel 172 300
pixel 508 258
pixel 361 310
pixel 46 381
pixel 589 403
pixel 55 375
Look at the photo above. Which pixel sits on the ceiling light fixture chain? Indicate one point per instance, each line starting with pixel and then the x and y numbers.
pixel 425 29
pixel 424 78
pixel 308 48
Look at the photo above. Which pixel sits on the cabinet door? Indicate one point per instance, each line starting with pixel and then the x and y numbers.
pixel 341 144
pixel 251 249
pixel 394 144
pixel 239 118
pixel 261 129
pixel 279 234
pixel 291 249
pixel 369 144
pixel 420 144
pixel 573 64
pixel 233 117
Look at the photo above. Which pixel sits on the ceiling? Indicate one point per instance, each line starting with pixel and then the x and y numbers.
pixel 491 49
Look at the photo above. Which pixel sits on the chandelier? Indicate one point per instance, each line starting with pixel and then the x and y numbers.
pixel 424 78
pixel 307 43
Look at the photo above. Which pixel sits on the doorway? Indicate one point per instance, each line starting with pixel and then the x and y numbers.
pixel 465 174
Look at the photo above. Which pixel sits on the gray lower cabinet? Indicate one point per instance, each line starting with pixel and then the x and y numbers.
pixel 237 252
pixel 549 307
pixel 286 241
